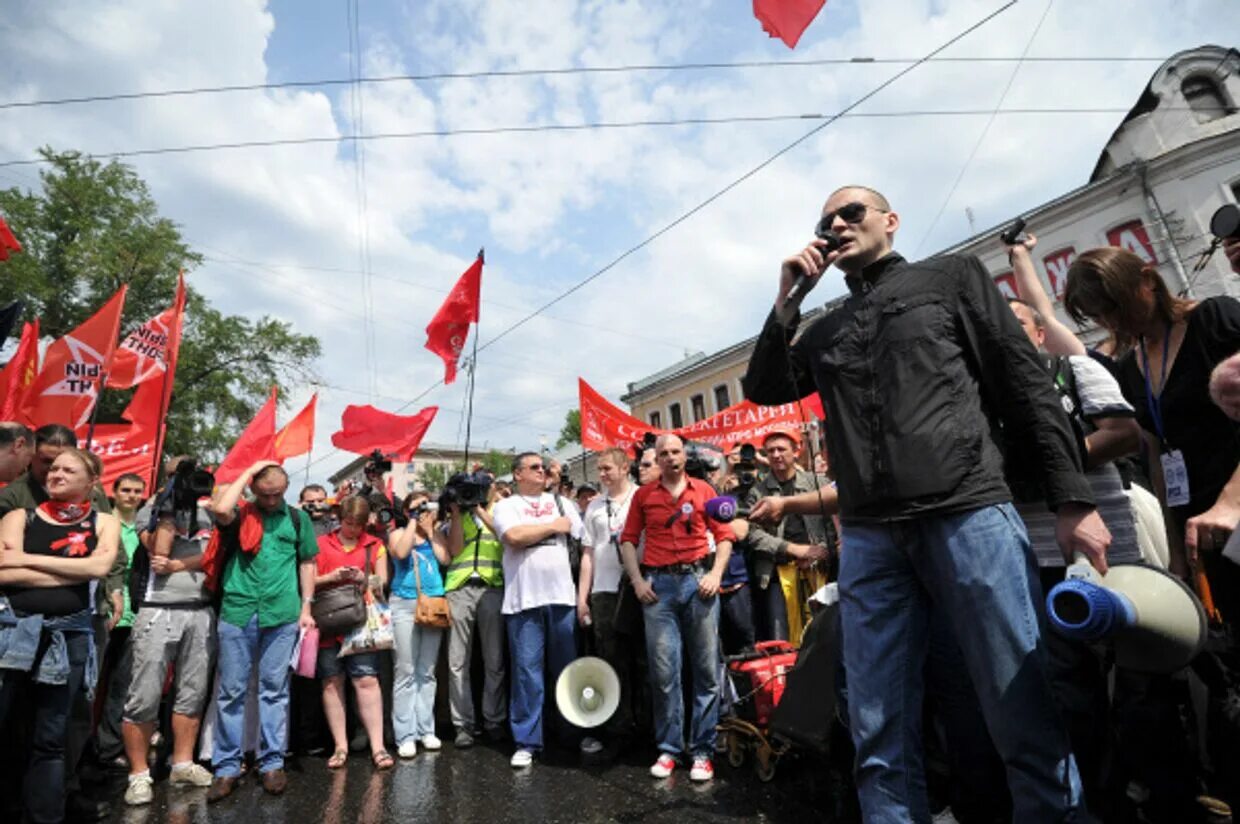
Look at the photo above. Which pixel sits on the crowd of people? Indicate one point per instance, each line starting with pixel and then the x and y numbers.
pixel 973 448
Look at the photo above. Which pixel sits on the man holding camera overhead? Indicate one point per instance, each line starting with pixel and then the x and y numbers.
pixel 474 583
pixel 175 625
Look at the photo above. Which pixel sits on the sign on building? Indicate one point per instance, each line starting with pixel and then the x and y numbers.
pixel 1007 284
pixel 1057 264
pixel 1133 237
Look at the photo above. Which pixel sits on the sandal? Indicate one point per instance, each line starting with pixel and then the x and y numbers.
pixel 383 760
pixel 338 759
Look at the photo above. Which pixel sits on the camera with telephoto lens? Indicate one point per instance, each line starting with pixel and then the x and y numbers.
pixel 189 484
pixel 377 465
pixel 699 462
pixel 746 469
pixel 465 489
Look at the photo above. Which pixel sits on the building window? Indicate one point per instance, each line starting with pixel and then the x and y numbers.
pixel 698 403
pixel 656 420
pixel 674 416
pixel 722 401
pixel 1205 97
pixel 1235 191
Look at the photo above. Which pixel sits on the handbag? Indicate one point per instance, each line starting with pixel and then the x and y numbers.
pixel 428 610
pixel 341 608
pixel 374 634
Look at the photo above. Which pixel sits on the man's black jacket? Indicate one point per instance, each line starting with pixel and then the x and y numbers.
pixel 918 371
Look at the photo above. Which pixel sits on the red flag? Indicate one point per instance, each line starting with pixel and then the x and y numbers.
pixel 8 242
pixel 19 373
pixel 256 443
pixel 123 448
pixel 786 19
pixel 68 385
pixel 147 358
pixel 297 436
pixel 445 336
pixel 364 428
pixel 605 425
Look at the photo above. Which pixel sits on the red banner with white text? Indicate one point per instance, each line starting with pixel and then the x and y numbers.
pixel 605 425
pixel 123 448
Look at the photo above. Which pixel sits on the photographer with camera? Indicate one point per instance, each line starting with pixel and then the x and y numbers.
pixel 474 581
pixel 783 552
pixel 175 626
pixel 313 501
pixel 678 583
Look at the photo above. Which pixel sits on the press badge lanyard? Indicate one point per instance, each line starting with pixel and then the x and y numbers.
pixel 1175 471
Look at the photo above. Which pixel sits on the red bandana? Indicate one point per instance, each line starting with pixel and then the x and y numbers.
pixel 63 512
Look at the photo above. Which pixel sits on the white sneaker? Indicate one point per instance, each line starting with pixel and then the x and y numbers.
pixel 663 767
pixel 408 749
pixel 702 770
pixel 522 758
pixel 430 742
pixel 591 746
pixel 140 790
pixel 192 775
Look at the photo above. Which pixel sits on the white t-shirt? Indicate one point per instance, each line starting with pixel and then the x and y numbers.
pixel 538 575
pixel 604 519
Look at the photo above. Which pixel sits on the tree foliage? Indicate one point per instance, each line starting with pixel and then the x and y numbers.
pixel 571 431
pixel 435 476
pixel 93 227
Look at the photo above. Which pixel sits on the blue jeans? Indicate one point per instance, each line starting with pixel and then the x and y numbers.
pixel 413 682
pixel 682 619
pixel 540 643
pixel 239 647
pixel 978 568
pixel 43 785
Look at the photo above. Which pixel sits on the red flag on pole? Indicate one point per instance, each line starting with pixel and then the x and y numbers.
pixel 786 19
pixel 147 358
pixel 297 436
pixel 446 334
pixel 256 443
pixel 364 428
pixel 68 385
pixel 8 242
pixel 19 373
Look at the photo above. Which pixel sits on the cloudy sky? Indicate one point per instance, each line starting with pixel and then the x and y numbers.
pixel 284 228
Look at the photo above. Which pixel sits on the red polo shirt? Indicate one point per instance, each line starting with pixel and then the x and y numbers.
pixel 675 527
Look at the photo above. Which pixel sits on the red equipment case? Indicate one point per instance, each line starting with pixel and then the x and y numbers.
pixel 761 676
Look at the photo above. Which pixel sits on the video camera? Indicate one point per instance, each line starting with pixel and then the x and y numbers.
pixel 377 465
pixel 699 462
pixel 465 489
pixel 188 485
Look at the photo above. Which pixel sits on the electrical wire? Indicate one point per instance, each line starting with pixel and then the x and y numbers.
pixel 684 216
pixel 584 127
pixel 985 129
pixel 552 72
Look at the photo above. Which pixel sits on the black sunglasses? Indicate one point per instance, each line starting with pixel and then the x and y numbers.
pixel 535 468
pixel 850 213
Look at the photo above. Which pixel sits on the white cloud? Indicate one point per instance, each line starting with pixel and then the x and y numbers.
pixel 554 207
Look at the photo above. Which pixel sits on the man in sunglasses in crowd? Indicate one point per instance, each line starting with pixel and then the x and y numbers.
pixel 919 369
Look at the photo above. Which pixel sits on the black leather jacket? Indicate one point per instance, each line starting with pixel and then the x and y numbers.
pixel 919 370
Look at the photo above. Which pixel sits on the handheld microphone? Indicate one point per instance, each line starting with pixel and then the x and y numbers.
pixel 830 242
pixel 725 509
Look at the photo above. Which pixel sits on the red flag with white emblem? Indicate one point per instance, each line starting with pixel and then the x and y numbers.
pixel 445 336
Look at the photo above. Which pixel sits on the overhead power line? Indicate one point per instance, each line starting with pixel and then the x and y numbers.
pixel 582 127
pixel 432 77
pixel 684 216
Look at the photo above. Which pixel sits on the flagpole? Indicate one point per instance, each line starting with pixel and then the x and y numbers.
pixel 473 372
pixel 94 413
pixel 165 405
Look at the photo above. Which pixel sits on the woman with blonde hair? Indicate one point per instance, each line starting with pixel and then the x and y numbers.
pixel 48 558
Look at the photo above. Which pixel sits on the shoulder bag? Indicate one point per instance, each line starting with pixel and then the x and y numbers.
pixel 428 610
pixel 341 608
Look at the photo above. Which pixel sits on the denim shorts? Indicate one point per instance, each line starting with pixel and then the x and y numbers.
pixel 359 665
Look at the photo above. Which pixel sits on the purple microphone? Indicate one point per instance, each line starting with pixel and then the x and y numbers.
pixel 725 509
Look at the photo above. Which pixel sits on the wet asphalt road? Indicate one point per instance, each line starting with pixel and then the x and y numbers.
pixel 479 785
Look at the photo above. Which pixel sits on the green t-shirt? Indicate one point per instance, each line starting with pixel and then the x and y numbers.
pixel 266 582
pixel 129 542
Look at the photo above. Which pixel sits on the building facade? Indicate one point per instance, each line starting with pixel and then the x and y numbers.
pixel 1173 161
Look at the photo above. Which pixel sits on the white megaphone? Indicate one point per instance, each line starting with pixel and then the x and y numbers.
pixel 1154 620
pixel 587 692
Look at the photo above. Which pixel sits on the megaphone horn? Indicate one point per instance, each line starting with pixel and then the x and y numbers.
pixel 587 692
pixel 1156 622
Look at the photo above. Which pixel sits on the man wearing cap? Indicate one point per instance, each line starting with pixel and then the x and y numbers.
pixel 780 551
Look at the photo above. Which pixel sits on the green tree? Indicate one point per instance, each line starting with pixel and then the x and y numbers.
pixel 94 227
pixel 571 431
